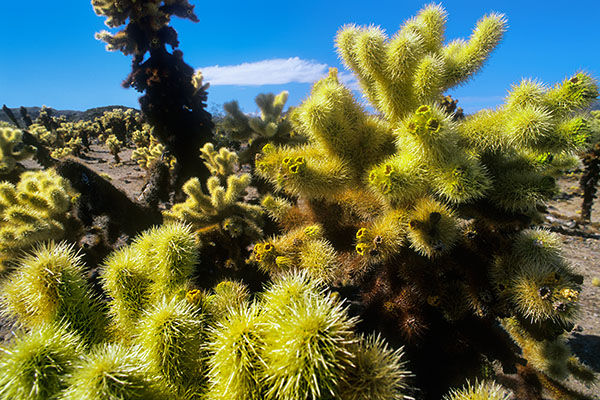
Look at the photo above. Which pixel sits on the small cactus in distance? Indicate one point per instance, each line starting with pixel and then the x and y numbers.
pixel 272 126
pixel 114 146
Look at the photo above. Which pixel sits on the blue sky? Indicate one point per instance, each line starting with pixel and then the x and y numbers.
pixel 50 56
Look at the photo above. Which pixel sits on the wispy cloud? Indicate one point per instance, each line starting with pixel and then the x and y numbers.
pixel 277 71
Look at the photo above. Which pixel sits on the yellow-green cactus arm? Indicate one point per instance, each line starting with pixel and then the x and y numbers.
pixel 570 95
pixel 432 229
pixel 463 59
pixel 221 207
pixel 296 171
pixel 129 284
pixel 382 239
pixel 49 286
pixel 414 67
pixel 12 149
pixel 488 390
pixel 462 180
pixel 401 179
pixel 35 209
pixel 35 364
pixel 277 207
pixel 336 122
pixel 220 163
pixel 379 373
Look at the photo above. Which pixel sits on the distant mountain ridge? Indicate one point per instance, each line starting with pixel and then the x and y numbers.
pixel 71 115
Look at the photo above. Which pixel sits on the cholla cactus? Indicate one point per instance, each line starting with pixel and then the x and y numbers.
pixel 479 391
pixel 114 146
pixel 178 120
pixel 220 217
pixel 121 123
pixel 435 208
pixel 157 17
pixel 45 136
pixel 113 371
pixel 220 163
pixel 591 162
pixel 12 149
pixel 62 152
pixel 158 264
pixel 297 342
pixel 49 286
pixel 414 67
pixel 35 209
pixel 72 148
pixel 145 156
pixel 142 136
pixel 35 365
pixel 272 126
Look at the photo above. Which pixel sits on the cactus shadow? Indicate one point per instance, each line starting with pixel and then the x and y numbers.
pixel 587 349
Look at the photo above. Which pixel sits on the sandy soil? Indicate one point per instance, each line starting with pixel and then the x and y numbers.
pixel 581 246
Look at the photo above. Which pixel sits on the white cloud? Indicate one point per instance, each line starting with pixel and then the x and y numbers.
pixel 277 71
pixel 267 72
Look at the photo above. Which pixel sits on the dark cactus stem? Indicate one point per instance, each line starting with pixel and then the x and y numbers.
pixel 589 181
pixel 450 107
pixel 25 116
pixel 175 108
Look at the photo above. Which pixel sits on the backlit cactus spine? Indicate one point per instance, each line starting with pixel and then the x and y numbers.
pixel 157 265
pixel 12 149
pixel 35 209
pixel 49 287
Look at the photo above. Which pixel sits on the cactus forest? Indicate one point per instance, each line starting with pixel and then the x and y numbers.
pixel 335 250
